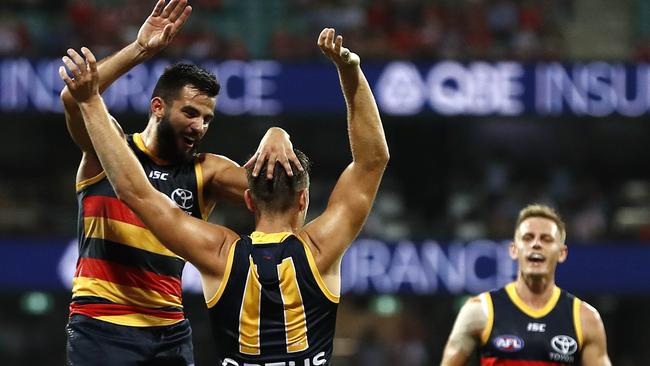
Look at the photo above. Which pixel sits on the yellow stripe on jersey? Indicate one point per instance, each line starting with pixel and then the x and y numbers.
pixel 121 294
pixel 314 269
pixel 249 315
pixel 577 320
pixel 534 313
pixel 90 181
pixel 138 320
pixel 123 233
pixel 137 139
pixel 486 300
pixel 259 237
pixel 295 320
pixel 226 275
pixel 199 188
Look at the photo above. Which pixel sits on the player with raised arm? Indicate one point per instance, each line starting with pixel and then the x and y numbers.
pixel 273 294
pixel 126 305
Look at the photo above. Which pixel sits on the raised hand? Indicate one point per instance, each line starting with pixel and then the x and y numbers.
pixel 162 25
pixel 84 83
pixel 334 50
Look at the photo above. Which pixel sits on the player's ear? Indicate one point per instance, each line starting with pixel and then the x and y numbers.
pixel 248 198
pixel 157 107
pixel 564 252
pixel 512 250
pixel 303 200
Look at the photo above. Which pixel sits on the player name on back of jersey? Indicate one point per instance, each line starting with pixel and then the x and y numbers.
pixel 317 360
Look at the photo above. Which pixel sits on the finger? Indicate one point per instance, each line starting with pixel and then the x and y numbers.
pixel 65 77
pixel 182 19
pixel 322 37
pixel 158 8
pixel 81 63
pixel 286 165
pixel 71 66
pixel 251 161
pixel 167 33
pixel 258 164
pixel 338 43
pixel 294 159
pixel 329 41
pixel 169 8
pixel 270 166
pixel 90 58
pixel 176 12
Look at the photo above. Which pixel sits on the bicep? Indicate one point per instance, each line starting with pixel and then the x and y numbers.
pixel 346 212
pixel 197 241
pixel 594 351
pixel 226 180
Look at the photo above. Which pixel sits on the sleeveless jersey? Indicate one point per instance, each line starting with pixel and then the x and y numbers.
pixel 124 274
pixel 272 307
pixel 517 335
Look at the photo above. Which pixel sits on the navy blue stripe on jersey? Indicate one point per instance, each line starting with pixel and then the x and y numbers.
pixel 132 257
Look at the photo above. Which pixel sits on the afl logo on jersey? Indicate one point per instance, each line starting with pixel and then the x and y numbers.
pixel 183 198
pixel 508 343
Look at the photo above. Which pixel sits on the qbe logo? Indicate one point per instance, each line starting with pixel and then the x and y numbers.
pixel 508 343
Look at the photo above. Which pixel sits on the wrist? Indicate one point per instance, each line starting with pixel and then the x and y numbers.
pixel 91 100
pixel 140 52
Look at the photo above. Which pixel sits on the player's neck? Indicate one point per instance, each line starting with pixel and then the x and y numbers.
pixel 275 223
pixel 149 139
pixel 535 291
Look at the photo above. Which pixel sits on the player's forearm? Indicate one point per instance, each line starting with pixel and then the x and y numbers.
pixel 366 132
pixel 121 167
pixel 112 68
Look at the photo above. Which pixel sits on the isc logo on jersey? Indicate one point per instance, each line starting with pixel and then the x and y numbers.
pixel 509 343
pixel 154 174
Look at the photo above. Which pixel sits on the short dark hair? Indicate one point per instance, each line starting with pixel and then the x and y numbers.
pixel 545 212
pixel 280 193
pixel 175 77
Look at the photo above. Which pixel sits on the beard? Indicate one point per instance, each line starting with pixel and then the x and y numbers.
pixel 168 148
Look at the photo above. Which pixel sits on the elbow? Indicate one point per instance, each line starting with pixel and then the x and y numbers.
pixel 381 157
pixel 126 194
pixel 377 161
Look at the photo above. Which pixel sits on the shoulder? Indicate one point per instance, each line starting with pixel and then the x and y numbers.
pixel 213 164
pixel 592 323
pixel 476 313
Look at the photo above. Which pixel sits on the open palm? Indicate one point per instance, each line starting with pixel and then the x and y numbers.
pixel 163 24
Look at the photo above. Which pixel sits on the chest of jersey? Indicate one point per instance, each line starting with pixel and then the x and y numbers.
pixel 519 336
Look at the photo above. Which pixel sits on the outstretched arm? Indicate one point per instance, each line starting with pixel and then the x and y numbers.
pixel 195 240
pixel 352 197
pixel 155 34
pixel 465 336
pixel 594 349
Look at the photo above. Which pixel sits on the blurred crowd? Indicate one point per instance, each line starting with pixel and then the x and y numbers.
pixel 287 29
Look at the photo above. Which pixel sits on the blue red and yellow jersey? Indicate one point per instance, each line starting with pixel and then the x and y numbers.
pixel 518 335
pixel 124 275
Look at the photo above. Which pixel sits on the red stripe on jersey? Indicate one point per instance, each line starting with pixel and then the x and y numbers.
pixel 96 310
pixel 493 361
pixel 110 208
pixel 128 276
